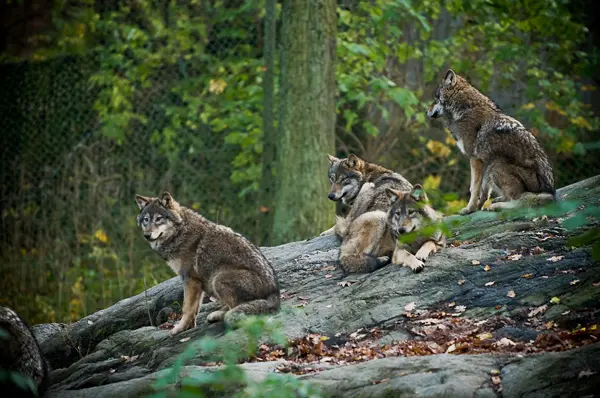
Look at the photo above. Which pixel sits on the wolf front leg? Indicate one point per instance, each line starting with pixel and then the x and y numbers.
pixel 476 182
pixel 192 299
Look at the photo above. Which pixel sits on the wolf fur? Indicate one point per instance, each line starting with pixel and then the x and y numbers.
pixel 20 352
pixel 211 259
pixel 504 156
pixel 409 212
pixel 347 177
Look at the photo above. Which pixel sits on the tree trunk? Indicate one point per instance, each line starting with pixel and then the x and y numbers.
pixel 306 119
pixel 269 134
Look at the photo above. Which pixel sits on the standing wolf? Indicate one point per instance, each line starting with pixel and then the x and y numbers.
pixel 211 259
pixel 19 353
pixel 504 155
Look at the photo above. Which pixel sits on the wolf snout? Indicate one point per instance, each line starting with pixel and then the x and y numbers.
pixel 331 196
pixel 148 236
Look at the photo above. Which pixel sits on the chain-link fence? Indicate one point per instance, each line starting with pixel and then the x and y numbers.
pixel 68 179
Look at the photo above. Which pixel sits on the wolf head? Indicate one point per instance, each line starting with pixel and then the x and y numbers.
pixel 454 95
pixel 159 218
pixel 345 177
pixel 405 214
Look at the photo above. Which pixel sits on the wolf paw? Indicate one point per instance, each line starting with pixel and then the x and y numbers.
pixel 215 316
pixel 466 210
pixel 183 325
pixel 383 259
pixel 415 264
pixel 495 206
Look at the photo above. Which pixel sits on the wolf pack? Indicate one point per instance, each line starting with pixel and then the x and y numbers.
pixel 383 207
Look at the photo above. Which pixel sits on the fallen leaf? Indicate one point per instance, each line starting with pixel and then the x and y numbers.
pixel 460 308
pixel 127 358
pixel 475 262
pixel 381 381
pixel 462 282
pixel 585 373
pixel 328 268
pixel 549 325
pixel 487 268
pixel 555 258
pixel 451 348
pixel 302 304
pixel 302 298
pixel 496 380
pixel 490 283
pixel 263 209
pixel 410 306
pixel 527 276
pixel 574 282
pixel 511 294
pixel 452 304
pixel 484 336
pixel 539 310
pixel 537 250
pixel 555 300
pixel 90 323
pixel 111 370
pixel 213 299
pixel 326 359
pixel 566 312
pixel 515 257
pixel 185 339
pixel 328 306
pixel 328 276
pixel 504 342
pixel 495 372
pixel 346 283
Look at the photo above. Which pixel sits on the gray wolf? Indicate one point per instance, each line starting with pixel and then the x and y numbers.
pixel 504 156
pixel 410 211
pixel 347 177
pixel 211 259
pixel 21 354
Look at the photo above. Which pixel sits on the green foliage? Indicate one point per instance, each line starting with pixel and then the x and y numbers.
pixel 23 382
pixel 230 378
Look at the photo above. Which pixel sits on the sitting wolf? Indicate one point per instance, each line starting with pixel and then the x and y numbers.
pixel 505 157
pixel 211 259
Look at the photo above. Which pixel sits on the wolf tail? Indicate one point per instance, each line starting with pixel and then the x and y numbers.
pixel 269 305
pixel 362 263
pixel 20 353
pixel 546 178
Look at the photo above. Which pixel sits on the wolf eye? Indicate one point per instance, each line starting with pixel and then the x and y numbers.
pixel 146 219
pixel 158 218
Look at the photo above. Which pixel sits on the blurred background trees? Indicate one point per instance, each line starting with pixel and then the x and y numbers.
pixel 233 106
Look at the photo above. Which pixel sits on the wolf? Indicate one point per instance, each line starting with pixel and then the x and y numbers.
pixel 372 238
pixel 409 212
pixel 504 156
pixel 20 353
pixel 347 177
pixel 211 259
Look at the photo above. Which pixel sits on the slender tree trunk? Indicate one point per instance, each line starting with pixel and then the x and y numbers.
pixel 306 120
pixel 267 188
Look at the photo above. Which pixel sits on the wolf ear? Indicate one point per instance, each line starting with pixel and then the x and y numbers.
pixel 418 193
pixel 142 201
pixel 353 161
pixel 167 200
pixel 450 78
pixel 332 159
pixel 394 195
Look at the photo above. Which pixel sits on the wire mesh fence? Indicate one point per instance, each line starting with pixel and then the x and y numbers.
pixel 69 172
